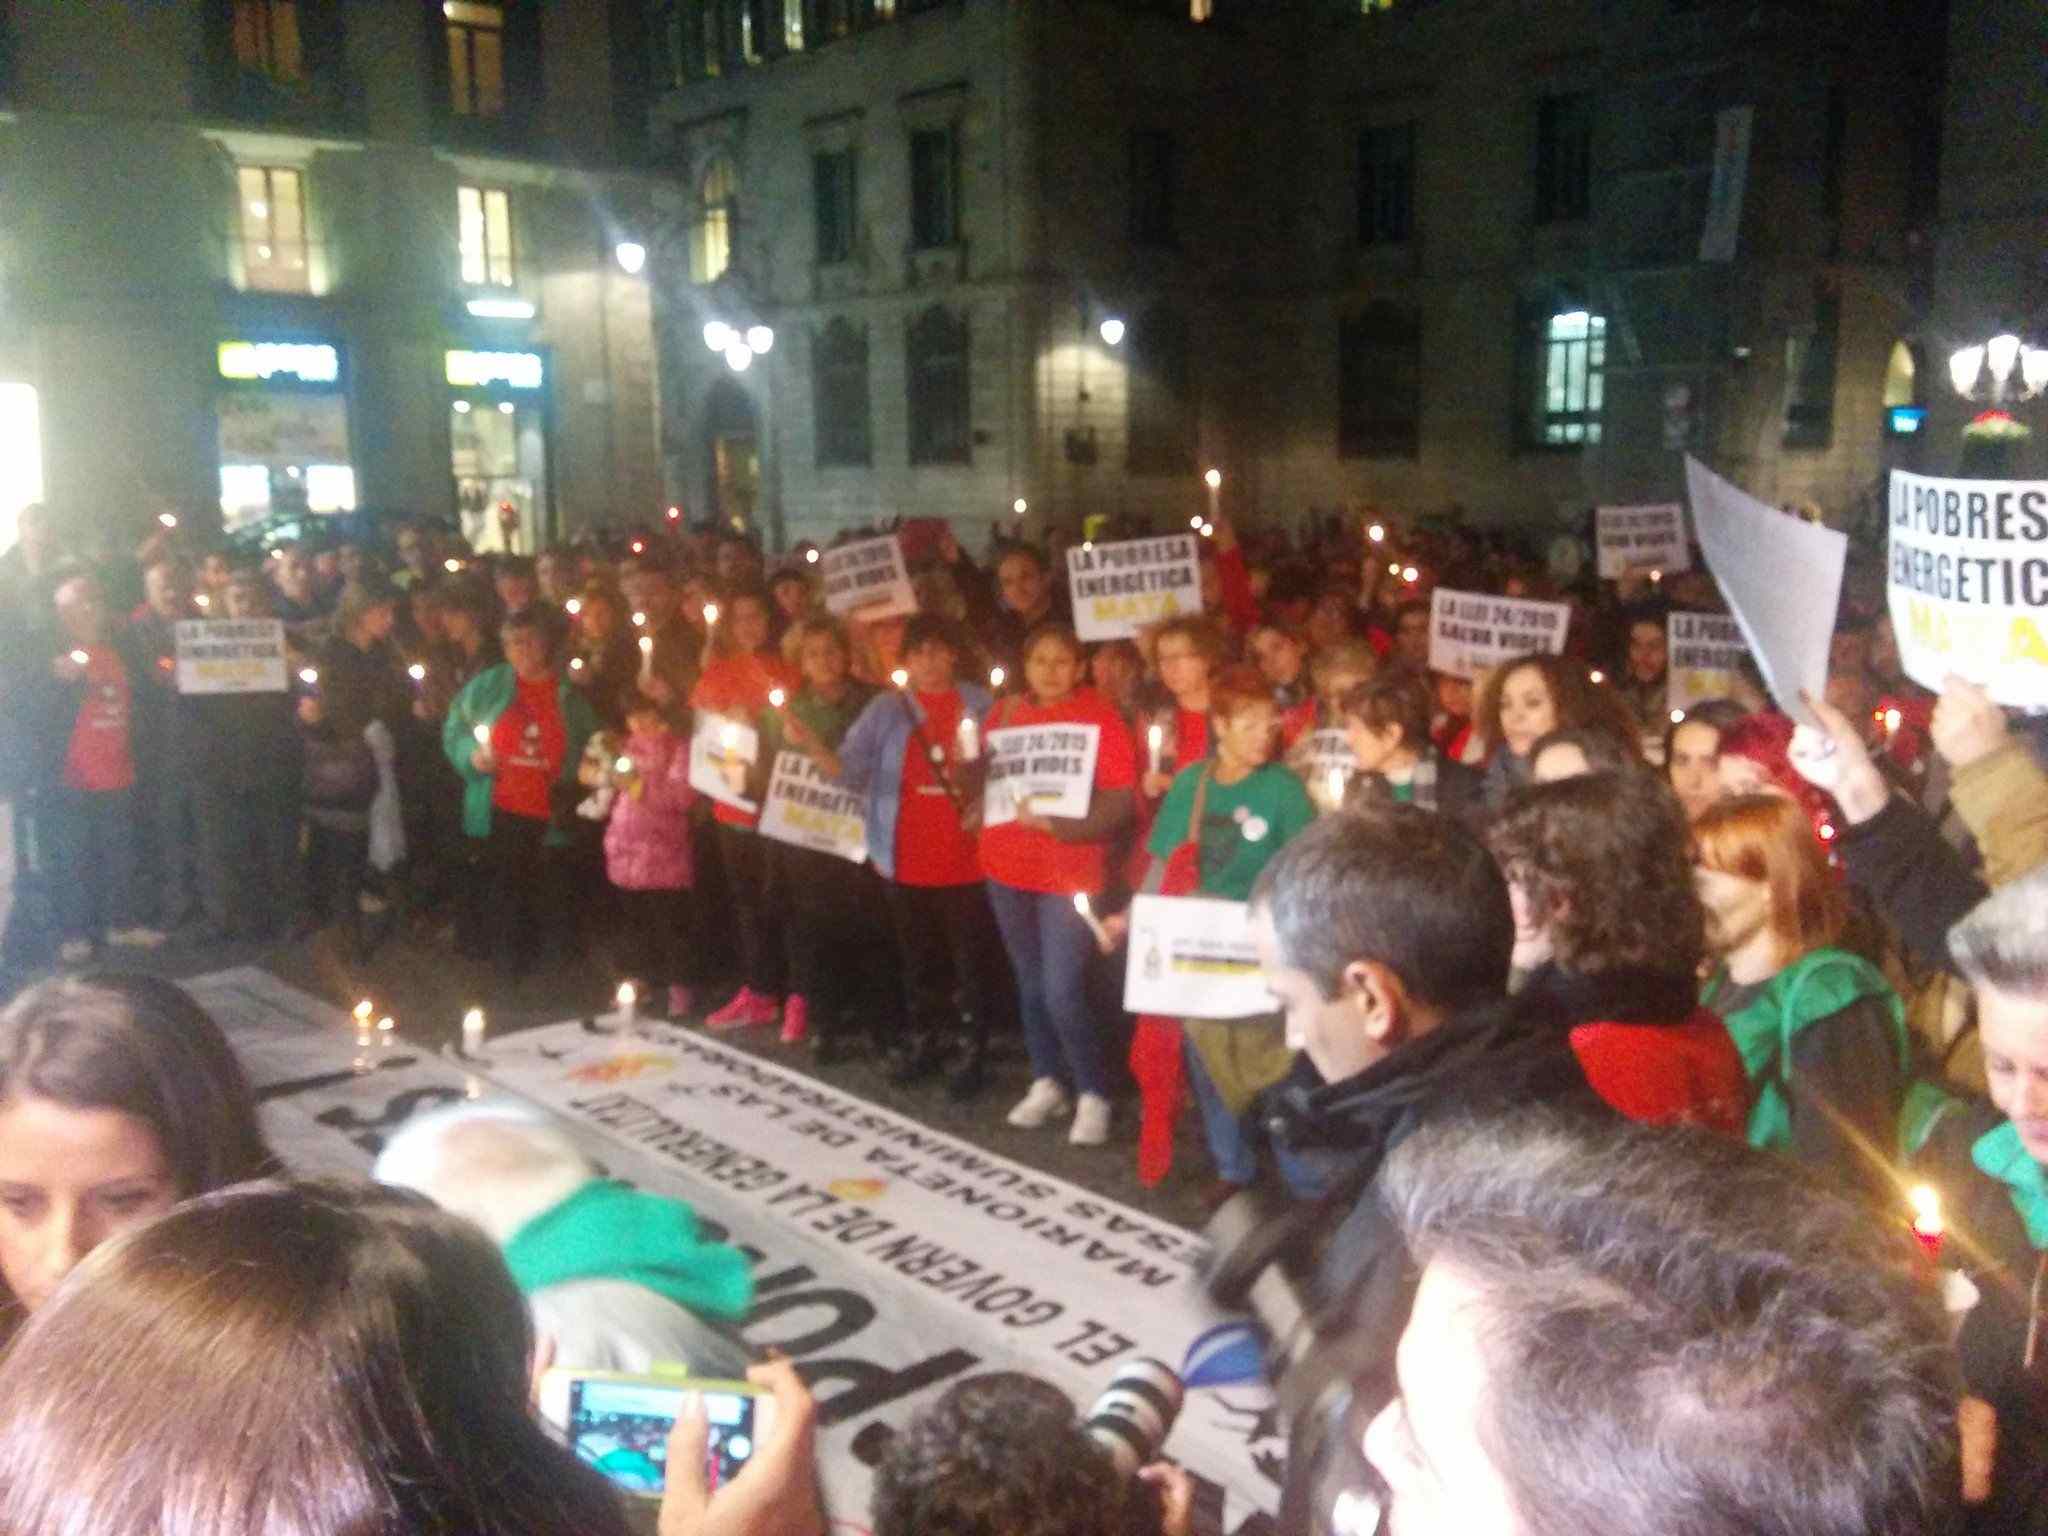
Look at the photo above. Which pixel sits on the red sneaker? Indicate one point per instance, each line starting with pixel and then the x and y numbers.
pixel 747 1010
pixel 796 1020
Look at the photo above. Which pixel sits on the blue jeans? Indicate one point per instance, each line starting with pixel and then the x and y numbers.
pixel 1049 947
pixel 1229 1148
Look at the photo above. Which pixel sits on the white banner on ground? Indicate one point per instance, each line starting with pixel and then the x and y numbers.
pixel 722 749
pixel 1470 632
pixel 811 811
pixel 230 656
pixel 1704 654
pixel 1191 957
pixel 1969 583
pixel 867 578
pixel 1119 589
pixel 1649 537
pixel 891 1261
pixel 1049 767
pixel 1782 578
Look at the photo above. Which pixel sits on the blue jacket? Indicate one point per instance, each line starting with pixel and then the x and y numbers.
pixel 871 761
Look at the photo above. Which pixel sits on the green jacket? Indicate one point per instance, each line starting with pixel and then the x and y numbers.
pixel 485 697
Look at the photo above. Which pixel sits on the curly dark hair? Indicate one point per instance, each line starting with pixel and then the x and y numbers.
pixel 1605 862
pixel 1580 703
pixel 999 1455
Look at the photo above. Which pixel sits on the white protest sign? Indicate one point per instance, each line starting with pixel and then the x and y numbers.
pixel 808 810
pixel 1326 763
pixel 1471 632
pixel 1652 536
pixel 1052 767
pixel 1191 957
pixel 1782 578
pixel 1969 583
pixel 893 1260
pixel 868 578
pixel 721 751
pixel 1119 589
pixel 230 656
pixel 1704 655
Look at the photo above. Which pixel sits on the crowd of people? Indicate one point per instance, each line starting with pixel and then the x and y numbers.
pixel 1652 1034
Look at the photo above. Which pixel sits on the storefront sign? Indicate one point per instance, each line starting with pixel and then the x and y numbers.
pixel 477 370
pixel 1191 957
pixel 1641 538
pixel 721 751
pixel 808 810
pixel 868 578
pixel 1120 588
pixel 309 362
pixel 230 656
pixel 1471 632
pixel 1706 652
pixel 1049 769
pixel 1969 583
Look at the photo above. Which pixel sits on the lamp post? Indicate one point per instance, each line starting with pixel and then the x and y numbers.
pixel 739 346
pixel 1999 372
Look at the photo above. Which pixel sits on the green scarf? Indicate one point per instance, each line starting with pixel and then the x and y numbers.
pixel 1814 986
pixel 2003 1156
pixel 606 1231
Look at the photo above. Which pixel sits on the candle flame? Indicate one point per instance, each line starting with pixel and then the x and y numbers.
pixel 473 1022
pixel 573 607
pixel 627 994
pixel 82 658
pixel 710 614
pixel 1081 903
pixel 900 678
pixel 416 672
pixel 622 765
pixel 995 677
pixel 363 1010
pixel 1926 1208
pixel 307 675
pixel 776 697
pixel 483 735
pixel 647 645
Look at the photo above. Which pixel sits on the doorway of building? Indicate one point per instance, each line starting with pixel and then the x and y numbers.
pixel 733 439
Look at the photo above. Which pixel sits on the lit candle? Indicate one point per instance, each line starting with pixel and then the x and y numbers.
pixel 1597 676
pixel 366 1042
pixel 1394 569
pixel 969 739
pixel 483 735
pixel 1410 574
pixel 900 678
pixel 639 547
pixel 310 676
pixel 1195 521
pixel 80 658
pixel 575 663
pixel 777 698
pixel 1087 914
pixel 387 1032
pixel 1155 747
pixel 203 601
pixel 1208 530
pixel 362 1012
pixel 417 672
pixel 629 1002
pixel 1891 725
pixel 810 557
pixel 1376 533
pixel 573 607
pixel 1656 576
pixel 711 615
pixel 1678 717
pixel 622 765
pixel 1927 1224
pixel 167 520
pixel 451 566
pixel 639 619
pixel 1337 780
pixel 646 655
pixel 995 677
pixel 473 1032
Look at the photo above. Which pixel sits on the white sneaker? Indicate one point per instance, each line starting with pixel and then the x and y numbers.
pixel 135 938
pixel 1047 1100
pixel 1091 1121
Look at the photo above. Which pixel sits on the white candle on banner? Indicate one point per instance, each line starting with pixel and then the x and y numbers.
pixel 1155 747
pixel 1088 916
pixel 473 1032
pixel 629 1004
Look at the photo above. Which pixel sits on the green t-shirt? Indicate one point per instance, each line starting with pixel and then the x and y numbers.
pixel 1243 824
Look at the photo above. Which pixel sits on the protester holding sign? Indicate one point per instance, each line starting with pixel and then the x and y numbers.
pixel 836 947
pixel 903 754
pixel 1037 863
pixel 1185 652
pixel 742 668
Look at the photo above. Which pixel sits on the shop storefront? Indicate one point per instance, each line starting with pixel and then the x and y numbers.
pixel 498 440
pixel 282 409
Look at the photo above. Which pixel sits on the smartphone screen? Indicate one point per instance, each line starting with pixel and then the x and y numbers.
pixel 622 1429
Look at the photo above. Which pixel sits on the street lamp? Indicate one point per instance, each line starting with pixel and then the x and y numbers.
pixel 740 348
pixel 1112 331
pixel 631 255
pixel 2001 371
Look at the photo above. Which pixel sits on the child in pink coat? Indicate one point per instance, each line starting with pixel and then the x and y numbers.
pixel 647 853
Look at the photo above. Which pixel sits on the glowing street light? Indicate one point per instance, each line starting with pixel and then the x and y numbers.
pixel 631 256
pixel 1112 331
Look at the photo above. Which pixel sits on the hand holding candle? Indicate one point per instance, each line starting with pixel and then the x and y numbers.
pixel 900 678
pixel 1155 747
pixel 473 1032
pixel 967 743
pixel 628 998
pixel 1928 1229
pixel 995 679
pixel 482 759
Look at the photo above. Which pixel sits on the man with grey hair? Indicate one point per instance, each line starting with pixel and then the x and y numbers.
pixel 1635 1329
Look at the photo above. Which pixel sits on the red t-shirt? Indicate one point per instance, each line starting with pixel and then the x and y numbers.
pixel 1297 722
pixel 932 848
pixel 529 741
pixel 1037 861
pixel 737 687
pixel 101 757
pixel 1190 737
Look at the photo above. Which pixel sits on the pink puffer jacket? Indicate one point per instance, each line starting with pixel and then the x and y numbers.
pixel 647 841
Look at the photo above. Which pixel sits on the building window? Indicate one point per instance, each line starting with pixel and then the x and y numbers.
pixel 1379 384
pixel 266 38
pixel 711 250
pixel 1570 386
pixel 934 188
pixel 1386 184
pixel 1160 410
pixel 476 57
pixel 1810 377
pixel 937 352
pixel 837 196
pixel 484 225
pixel 1152 180
pixel 839 381
pixel 1201 10
pixel 1564 158
pixel 273 226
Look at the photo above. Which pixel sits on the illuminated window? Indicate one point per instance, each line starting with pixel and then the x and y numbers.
pixel 484 221
pixel 476 58
pixel 1571 379
pixel 939 405
pixel 272 219
pixel 266 38
pixel 711 252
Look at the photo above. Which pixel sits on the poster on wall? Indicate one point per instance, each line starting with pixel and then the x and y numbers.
pixel 1968 584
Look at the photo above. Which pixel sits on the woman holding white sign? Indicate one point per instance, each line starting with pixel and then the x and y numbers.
pixel 741 669
pixel 1038 861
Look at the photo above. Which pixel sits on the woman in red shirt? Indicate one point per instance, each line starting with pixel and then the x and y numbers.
pixel 1036 864
pixel 1185 654
pixel 742 665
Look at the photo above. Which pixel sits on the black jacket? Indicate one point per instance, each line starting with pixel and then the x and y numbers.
pixel 1913 876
